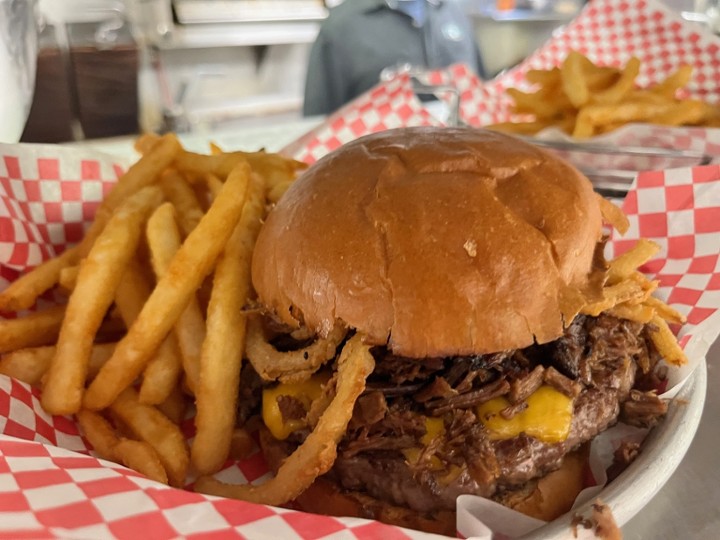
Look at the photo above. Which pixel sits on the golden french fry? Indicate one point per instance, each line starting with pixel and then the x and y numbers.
pixel 544 77
pixel 100 274
pixel 537 103
pixel 625 291
pixel 613 215
pixel 29 365
pixel 687 112
pixel 673 82
pixel 573 79
pixel 163 370
pixel 214 184
pixel 183 198
pixel 174 406
pixel 664 311
pixel 172 293
pixel 624 266
pixel 143 173
pixel 600 78
pixel 624 84
pixel 639 313
pixel 278 190
pixel 584 100
pixel 68 277
pixel 584 126
pixel 222 351
pixel 666 344
pixel 164 241
pixel 150 425
pixel 25 290
pixel 141 457
pixel 145 142
pixel 99 433
pixel 32 330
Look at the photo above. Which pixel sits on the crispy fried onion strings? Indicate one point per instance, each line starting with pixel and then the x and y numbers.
pixel 317 454
pixel 291 366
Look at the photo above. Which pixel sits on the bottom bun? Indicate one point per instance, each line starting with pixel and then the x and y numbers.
pixel 554 494
pixel 545 499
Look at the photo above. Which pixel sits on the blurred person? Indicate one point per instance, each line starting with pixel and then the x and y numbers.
pixel 360 38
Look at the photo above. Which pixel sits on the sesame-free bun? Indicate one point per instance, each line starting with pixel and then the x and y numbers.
pixel 436 241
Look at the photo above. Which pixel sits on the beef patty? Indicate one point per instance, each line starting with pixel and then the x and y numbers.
pixel 605 364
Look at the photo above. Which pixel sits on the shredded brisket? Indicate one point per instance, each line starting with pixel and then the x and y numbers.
pixel 596 363
pixel 607 366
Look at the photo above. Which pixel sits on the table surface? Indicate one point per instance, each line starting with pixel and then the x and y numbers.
pixel 688 506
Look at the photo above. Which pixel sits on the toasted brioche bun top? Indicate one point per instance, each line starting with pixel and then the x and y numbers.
pixel 436 241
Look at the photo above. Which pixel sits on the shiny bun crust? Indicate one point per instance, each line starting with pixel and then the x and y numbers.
pixel 436 241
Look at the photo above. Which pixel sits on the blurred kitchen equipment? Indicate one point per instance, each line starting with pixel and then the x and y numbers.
pixel 18 50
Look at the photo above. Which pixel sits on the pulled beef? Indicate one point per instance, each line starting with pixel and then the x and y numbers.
pixel 596 363
pixel 643 409
pixel 522 387
pixel 623 456
pixel 250 393
pixel 561 383
pixel 291 408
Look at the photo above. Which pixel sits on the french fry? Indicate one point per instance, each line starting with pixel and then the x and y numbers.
pixel 141 457
pixel 99 433
pixel 29 365
pixel 624 266
pixel 150 425
pixel 666 344
pixel 613 215
pixel 639 313
pixel 687 112
pixel 68 277
pixel 164 242
pixel 222 351
pixel 624 84
pixel 584 99
pixel 100 274
pixel 32 330
pixel 168 300
pixel 674 82
pixel 163 370
pixel 25 290
pixel 183 198
pixel 664 311
pixel 174 406
pixel 143 173
pixel 625 291
pixel 573 79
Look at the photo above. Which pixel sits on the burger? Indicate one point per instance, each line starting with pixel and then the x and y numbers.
pixel 465 261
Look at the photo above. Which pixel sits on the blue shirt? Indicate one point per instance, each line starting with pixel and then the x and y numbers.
pixel 360 38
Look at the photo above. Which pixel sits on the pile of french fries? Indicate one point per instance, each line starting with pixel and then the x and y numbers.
pixel 627 294
pixel 154 317
pixel 584 99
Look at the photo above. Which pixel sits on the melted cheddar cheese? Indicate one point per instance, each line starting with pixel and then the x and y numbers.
pixel 306 392
pixel 547 417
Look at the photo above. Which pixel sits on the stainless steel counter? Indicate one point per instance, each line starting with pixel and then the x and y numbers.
pixel 688 506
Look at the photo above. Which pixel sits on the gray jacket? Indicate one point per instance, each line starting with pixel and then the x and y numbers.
pixel 362 37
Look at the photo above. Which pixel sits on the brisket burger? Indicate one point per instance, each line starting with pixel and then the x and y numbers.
pixel 465 258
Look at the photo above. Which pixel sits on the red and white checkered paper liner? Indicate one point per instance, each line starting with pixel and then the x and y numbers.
pixel 607 31
pixel 48 492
